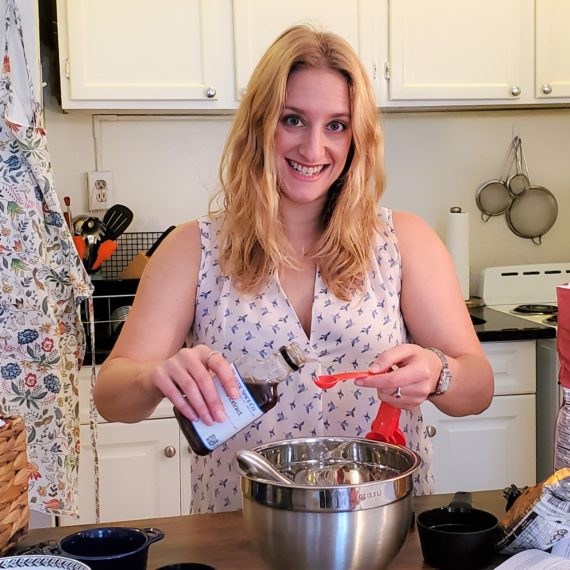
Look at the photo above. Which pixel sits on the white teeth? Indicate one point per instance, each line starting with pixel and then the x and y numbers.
pixel 305 170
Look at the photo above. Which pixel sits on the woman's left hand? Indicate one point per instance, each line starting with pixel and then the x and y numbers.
pixel 404 375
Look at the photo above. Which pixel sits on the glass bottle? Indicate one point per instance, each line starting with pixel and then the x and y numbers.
pixel 257 382
pixel 562 438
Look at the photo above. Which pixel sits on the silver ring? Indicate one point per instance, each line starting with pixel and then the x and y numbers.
pixel 398 393
pixel 210 355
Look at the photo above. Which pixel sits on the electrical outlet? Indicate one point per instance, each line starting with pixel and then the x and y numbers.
pixel 100 190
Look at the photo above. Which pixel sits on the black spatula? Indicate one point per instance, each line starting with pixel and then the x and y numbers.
pixel 117 219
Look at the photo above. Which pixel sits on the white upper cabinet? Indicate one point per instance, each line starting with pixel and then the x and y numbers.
pixel 199 54
pixel 462 51
pixel 258 22
pixel 477 52
pixel 552 49
pixel 120 54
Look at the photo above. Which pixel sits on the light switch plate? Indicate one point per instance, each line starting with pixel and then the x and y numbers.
pixel 100 190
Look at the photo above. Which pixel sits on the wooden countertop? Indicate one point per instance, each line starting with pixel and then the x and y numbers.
pixel 220 540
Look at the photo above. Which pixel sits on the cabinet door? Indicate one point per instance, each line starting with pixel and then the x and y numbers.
pixel 258 22
pixel 139 477
pixel 487 451
pixel 552 49
pixel 469 50
pixel 514 366
pixel 117 53
pixel 186 455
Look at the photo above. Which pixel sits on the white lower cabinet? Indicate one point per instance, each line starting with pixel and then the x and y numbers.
pixel 139 472
pixel 494 449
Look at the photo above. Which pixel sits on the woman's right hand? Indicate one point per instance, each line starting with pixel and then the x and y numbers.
pixel 186 379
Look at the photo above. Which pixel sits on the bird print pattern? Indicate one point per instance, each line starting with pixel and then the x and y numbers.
pixel 345 335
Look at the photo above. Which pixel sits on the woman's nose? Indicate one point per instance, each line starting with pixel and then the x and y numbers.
pixel 313 145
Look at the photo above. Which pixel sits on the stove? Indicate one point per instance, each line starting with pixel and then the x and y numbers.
pixel 529 292
pixel 526 291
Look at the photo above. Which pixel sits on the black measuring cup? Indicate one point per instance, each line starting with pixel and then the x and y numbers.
pixel 458 536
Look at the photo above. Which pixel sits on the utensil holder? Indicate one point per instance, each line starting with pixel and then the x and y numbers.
pixel 14 509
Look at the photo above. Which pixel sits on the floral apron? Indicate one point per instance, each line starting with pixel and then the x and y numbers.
pixel 42 284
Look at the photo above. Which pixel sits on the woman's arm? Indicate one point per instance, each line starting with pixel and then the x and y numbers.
pixel 436 316
pixel 148 361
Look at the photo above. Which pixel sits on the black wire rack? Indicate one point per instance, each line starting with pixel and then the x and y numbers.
pixel 129 245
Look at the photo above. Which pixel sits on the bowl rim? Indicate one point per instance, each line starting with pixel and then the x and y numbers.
pixel 329 498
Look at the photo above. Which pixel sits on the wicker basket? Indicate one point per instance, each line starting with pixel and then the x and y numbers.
pixel 14 511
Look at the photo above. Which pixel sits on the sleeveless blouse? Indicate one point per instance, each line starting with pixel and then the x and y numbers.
pixel 345 335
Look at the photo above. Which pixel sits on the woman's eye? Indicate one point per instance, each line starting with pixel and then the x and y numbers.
pixel 292 120
pixel 337 126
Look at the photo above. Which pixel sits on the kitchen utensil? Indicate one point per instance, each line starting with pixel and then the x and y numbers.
pixel 329 380
pixel 118 317
pixel 117 219
pixel 77 222
pixel 458 536
pixel 533 213
pixel 80 246
pixel 93 227
pixel 155 245
pixel 386 424
pixel 104 252
pixel 109 548
pixel 256 465
pixel 519 182
pixel 42 562
pixel 494 197
pixel 333 526
pixel 67 213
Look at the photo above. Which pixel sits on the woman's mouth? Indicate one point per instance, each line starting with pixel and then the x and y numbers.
pixel 307 171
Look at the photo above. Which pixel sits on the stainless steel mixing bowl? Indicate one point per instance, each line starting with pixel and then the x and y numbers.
pixel 349 506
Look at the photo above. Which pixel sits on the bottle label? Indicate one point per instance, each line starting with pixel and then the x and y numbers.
pixel 239 413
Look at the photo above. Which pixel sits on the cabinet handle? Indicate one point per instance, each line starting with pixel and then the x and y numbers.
pixel 431 431
pixel 515 91
pixel 170 451
pixel 210 93
pixel 546 89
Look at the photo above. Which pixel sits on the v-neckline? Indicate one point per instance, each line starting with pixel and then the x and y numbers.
pixel 317 281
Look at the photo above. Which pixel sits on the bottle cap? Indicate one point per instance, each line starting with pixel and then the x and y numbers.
pixel 293 355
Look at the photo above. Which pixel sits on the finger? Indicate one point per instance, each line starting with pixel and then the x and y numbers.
pixel 222 369
pixel 202 390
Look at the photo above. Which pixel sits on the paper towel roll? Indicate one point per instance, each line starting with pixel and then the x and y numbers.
pixel 458 246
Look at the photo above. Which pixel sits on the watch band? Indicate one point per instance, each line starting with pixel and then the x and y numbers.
pixel 445 377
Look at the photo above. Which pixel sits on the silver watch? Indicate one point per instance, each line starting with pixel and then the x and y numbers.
pixel 445 376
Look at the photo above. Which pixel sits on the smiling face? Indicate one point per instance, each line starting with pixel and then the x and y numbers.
pixel 313 135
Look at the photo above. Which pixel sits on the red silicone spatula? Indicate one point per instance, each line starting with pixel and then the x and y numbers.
pixel 386 424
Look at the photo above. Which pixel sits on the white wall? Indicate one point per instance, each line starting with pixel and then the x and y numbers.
pixel 165 168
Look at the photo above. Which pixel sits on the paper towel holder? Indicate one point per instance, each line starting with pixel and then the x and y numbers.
pixel 455 210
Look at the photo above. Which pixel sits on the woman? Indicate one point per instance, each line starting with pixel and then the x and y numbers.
pixel 299 250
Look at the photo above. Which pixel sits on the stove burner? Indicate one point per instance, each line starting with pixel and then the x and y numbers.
pixel 535 309
pixel 553 320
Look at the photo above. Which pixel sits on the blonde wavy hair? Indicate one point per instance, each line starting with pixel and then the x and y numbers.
pixel 252 241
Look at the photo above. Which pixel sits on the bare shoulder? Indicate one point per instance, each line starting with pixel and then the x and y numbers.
pixel 408 225
pixel 179 253
pixel 416 238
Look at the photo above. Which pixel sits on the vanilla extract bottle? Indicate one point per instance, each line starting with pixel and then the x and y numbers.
pixel 257 381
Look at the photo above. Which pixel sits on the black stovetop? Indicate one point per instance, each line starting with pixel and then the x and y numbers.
pixel 497 325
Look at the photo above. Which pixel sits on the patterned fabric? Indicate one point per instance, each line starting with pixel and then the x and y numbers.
pixel 344 336
pixel 43 282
